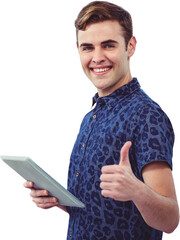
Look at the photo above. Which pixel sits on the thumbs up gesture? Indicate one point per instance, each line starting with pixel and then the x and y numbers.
pixel 118 181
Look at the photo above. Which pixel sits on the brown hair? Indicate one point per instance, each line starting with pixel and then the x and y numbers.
pixel 99 11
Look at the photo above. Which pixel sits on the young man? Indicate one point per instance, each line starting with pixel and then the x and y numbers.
pixel 120 166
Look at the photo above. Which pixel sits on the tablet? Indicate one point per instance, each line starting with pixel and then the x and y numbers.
pixel 30 171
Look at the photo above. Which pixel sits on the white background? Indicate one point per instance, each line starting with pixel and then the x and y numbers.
pixel 44 95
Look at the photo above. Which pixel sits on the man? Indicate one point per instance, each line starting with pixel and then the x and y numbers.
pixel 120 166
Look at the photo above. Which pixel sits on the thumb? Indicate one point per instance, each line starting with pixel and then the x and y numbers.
pixel 125 154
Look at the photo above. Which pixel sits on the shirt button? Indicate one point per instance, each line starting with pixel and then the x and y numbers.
pixel 77 174
pixel 94 116
pixel 83 144
pixel 70 234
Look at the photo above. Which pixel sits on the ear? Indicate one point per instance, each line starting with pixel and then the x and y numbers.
pixel 77 45
pixel 131 46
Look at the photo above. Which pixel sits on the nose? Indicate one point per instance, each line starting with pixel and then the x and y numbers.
pixel 98 56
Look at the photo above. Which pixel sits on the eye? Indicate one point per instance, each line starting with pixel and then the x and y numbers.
pixel 108 46
pixel 87 48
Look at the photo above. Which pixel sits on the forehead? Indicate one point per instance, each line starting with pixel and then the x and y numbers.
pixel 99 32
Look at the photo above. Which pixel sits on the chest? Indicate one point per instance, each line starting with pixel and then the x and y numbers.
pixel 102 134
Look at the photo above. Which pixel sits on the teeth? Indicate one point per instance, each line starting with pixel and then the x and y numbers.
pixel 100 69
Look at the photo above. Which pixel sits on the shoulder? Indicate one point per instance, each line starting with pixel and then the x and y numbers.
pixel 149 112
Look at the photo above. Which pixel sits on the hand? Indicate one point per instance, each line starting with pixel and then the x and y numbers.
pixel 118 181
pixel 41 197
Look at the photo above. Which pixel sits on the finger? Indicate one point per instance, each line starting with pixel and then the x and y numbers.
pixel 45 200
pixel 45 203
pixel 110 169
pixel 38 193
pixel 107 177
pixel 28 184
pixel 106 185
pixel 107 193
pixel 124 160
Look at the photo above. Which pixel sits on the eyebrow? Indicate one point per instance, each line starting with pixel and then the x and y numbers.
pixel 109 41
pixel 104 42
pixel 86 45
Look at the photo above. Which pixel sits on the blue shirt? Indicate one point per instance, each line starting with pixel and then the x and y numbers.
pixel 127 114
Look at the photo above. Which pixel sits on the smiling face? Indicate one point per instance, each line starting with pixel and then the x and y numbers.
pixel 104 55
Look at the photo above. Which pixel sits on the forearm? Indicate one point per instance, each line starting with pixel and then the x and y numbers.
pixel 158 211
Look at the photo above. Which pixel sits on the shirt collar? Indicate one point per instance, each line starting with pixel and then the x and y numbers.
pixel 118 94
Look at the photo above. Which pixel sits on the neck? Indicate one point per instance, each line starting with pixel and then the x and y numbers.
pixel 122 82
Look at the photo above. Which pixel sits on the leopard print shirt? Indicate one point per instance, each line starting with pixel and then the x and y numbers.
pixel 127 114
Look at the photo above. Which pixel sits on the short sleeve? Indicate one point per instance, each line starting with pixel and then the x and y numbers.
pixel 154 136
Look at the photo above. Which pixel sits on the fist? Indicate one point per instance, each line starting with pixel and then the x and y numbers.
pixel 41 197
pixel 118 181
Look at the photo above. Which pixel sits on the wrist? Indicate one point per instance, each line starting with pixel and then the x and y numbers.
pixel 140 190
pixel 64 208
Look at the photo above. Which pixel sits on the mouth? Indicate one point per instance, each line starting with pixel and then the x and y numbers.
pixel 101 70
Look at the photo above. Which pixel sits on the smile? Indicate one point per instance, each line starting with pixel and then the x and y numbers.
pixel 101 70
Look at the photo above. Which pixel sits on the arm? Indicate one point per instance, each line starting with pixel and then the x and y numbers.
pixel 155 198
pixel 41 198
pixel 159 207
